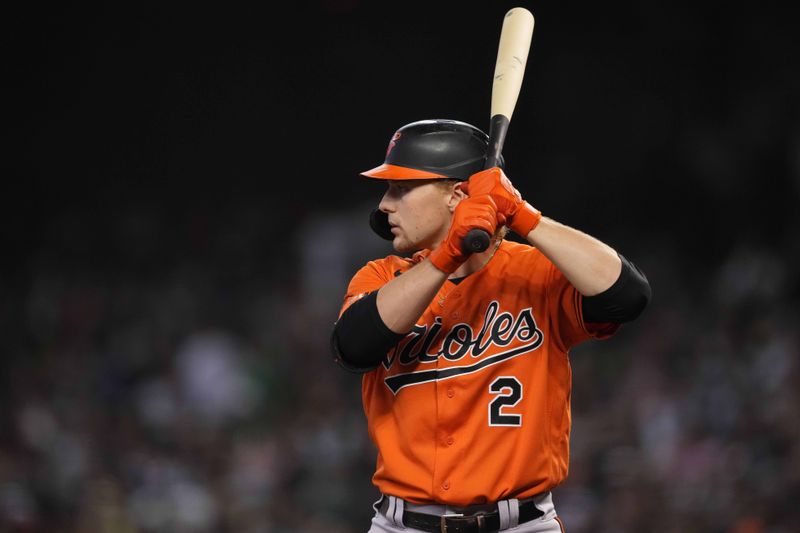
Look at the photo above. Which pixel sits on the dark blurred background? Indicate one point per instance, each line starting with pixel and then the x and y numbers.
pixel 182 211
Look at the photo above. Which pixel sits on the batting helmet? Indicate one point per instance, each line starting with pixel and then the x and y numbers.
pixel 429 149
pixel 433 149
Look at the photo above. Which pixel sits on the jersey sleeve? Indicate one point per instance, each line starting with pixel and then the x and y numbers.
pixel 369 278
pixel 565 308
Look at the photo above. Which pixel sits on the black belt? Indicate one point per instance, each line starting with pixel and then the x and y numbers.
pixel 475 523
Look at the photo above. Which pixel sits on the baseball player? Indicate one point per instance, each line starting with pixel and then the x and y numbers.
pixel 466 377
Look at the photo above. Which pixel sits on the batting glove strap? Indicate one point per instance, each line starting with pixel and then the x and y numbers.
pixel 525 220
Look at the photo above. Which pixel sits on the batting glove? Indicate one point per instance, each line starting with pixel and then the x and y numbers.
pixel 475 212
pixel 520 216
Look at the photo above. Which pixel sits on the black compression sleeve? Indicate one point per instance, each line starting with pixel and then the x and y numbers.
pixel 623 301
pixel 360 339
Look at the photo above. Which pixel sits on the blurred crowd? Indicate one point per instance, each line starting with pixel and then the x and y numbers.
pixel 179 380
pixel 158 380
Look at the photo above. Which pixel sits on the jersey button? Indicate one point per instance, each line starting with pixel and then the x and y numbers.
pixel 450 392
pixel 455 315
pixel 446 485
pixel 450 441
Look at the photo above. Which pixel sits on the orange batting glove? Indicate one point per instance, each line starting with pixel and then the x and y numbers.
pixel 521 216
pixel 474 212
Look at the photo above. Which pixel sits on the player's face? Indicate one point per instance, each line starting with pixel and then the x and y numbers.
pixel 419 213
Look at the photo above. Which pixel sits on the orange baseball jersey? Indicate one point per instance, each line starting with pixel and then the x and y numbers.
pixel 473 405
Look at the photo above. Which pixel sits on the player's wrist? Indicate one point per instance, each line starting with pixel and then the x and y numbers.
pixel 447 258
pixel 525 219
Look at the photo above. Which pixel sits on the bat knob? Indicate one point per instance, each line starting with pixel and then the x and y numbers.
pixel 475 241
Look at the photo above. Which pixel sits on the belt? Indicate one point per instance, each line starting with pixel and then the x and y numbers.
pixel 475 523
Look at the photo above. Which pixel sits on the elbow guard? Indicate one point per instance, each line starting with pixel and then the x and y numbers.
pixel 623 302
pixel 360 339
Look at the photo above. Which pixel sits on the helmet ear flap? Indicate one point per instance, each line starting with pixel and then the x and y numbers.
pixel 379 222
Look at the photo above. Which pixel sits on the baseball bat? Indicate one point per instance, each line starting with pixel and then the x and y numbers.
pixel 509 69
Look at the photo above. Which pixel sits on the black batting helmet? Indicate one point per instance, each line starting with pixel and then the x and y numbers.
pixel 433 149
pixel 429 149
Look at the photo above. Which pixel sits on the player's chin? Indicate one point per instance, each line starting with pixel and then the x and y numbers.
pixel 401 245
pixel 404 245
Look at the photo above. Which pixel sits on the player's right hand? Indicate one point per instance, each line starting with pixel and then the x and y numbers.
pixel 522 217
pixel 474 212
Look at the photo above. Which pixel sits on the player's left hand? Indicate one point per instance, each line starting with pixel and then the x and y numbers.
pixel 520 216
pixel 475 212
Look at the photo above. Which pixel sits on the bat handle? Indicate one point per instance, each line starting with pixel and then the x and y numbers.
pixel 475 241
pixel 478 240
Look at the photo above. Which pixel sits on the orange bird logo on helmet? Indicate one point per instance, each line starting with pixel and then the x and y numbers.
pixel 393 142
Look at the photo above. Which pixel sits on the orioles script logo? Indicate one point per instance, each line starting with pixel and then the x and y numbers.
pixel 461 343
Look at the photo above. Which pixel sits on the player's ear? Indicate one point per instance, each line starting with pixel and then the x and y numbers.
pixel 460 190
pixel 457 193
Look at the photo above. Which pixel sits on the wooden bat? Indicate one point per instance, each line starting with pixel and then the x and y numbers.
pixel 509 69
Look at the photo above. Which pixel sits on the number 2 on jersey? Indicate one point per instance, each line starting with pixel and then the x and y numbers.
pixel 509 392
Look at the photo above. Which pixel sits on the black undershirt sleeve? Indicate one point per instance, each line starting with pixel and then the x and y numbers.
pixel 623 301
pixel 360 338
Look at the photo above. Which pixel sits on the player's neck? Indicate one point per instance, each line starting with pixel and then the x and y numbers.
pixel 477 261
